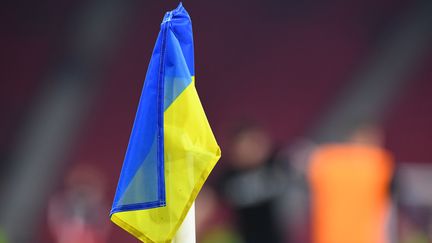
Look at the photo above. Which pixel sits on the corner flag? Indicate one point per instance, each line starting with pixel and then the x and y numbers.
pixel 171 149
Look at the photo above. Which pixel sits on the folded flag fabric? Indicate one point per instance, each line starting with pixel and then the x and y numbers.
pixel 171 149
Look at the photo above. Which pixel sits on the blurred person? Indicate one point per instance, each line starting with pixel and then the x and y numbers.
pixel 350 189
pixel 79 213
pixel 253 184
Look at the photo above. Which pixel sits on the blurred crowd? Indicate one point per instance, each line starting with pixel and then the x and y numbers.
pixel 265 192
pixel 335 192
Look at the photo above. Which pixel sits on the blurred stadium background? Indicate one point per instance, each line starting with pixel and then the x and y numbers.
pixel 306 71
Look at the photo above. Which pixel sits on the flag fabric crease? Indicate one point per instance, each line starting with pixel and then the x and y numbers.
pixel 171 149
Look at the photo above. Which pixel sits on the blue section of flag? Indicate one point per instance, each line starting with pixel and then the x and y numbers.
pixel 141 184
pixel 180 24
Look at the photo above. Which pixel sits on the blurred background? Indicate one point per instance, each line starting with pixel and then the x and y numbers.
pixel 323 111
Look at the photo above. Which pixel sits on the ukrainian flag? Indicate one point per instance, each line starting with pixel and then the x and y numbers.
pixel 171 149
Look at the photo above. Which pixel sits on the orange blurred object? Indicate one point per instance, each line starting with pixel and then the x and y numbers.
pixel 350 186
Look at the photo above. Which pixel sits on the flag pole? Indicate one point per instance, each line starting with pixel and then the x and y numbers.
pixel 186 232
